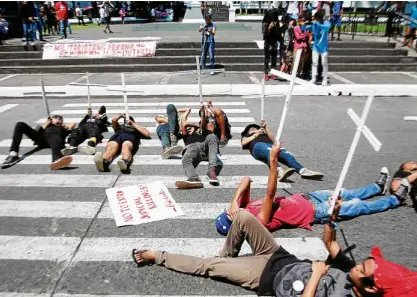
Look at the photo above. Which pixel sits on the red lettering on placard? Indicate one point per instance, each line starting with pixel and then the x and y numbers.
pixel 148 198
pixel 141 208
pixel 124 207
pixel 168 202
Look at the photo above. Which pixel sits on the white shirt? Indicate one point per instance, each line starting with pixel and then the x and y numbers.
pixel 78 12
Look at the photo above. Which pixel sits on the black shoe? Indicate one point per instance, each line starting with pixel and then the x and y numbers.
pixel 218 169
pixel 402 192
pixel 10 161
pixel 124 165
pixel 212 177
pixel 382 181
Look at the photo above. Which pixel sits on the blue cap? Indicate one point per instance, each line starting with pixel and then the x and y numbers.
pixel 223 223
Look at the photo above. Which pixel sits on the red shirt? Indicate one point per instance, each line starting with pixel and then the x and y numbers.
pixel 62 10
pixel 294 210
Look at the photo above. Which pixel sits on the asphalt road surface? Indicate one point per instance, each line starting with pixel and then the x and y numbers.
pixel 56 239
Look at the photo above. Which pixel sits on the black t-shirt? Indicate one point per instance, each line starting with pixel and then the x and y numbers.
pixel 401 174
pixel 128 129
pixel 193 138
pixel 282 258
pixel 261 138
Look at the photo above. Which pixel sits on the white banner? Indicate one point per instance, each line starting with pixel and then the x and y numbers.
pixel 141 204
pixel 99 50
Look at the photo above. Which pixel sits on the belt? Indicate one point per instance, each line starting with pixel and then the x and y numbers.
pixel 311 202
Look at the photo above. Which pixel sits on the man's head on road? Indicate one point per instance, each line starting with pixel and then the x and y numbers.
pixel 362 276
pixel 250 130
pixel 211 127
pixel 57 120
pixel 223 223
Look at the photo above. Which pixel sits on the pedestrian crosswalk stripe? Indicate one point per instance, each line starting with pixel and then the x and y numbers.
pixel 141 160
pixel 20 294
pixel 7 107
pixel 155 104
pixel 152 129
pixel 105 180
pixel 152 120
pixel 86 210
pixel 144 143
pixel 111 112
pixel 119 249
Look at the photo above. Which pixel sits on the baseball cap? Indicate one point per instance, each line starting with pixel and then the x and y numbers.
pixel 223 223
pixel 393 279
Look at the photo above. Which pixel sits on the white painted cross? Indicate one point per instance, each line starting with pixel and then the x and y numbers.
pixel 88 85
pixel 360 128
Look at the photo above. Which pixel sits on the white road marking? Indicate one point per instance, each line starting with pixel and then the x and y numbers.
pixel 119 249
pixel 341 78
pixel 142 111
pixel 253 78
pixel 87 210
pixel 7 77
pixel 152 120
pixel 83 77
pixel 57 180
pixel 144 143
pixel 106 181
pixel 414 118
pixel 410 74
pixel 139 160
pixel 154 104
pixel 7 107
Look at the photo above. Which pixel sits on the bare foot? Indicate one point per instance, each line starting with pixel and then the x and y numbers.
pixel 145 256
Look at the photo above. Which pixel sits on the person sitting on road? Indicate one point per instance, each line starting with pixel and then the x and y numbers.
pixel 259 140
pixel 90 130
pixel 201 144
pixel 302 210
pixel 125 141
pixel 272 270
pixel 51 135
pixel 169 129
pixel 219 118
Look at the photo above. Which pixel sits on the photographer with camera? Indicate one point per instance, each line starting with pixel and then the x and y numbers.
pixel 271 35
pixel 208 44
pixel 259 140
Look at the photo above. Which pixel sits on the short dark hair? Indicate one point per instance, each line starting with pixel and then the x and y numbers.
pixel 320 14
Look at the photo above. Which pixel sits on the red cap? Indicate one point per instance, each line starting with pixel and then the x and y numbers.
pixel 393 279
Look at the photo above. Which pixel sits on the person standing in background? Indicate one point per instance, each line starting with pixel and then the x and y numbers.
pixel 37 23
pixel 336 18
pixel 272 36
pixel 301 43
pixel 107 7
pixel 208 44
pixel 61 9
pixel 203 9
pixel 27 15
pixel 122 14
pixel 79 14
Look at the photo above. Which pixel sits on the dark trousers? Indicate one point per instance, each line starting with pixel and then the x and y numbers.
pixel 270 53
pixel 80 19
pixel 53 141
pixel 79 135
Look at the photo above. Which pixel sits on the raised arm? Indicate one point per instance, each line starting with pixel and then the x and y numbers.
pixel 242 192
pixel 185 111
pixel 115 121
pixel 266 210
pixel 329 234
pixel 141 129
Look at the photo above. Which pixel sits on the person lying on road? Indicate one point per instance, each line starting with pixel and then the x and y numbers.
pixel 51 135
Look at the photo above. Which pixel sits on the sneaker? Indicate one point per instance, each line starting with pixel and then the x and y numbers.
pixel 325 82
pixel 212 177
pixel 99 161
pixel 69 150
pixel 402 191
pixel 382 181
pixel 171 151
pixel 10 161
pixel 211 72
pixel 266 77
pixel 31 43
pixel 124 165
pixel 61 163
pixel 307 173
pixel 87 149
pixel 313 81
pixel 284 174
pixel 191 183
pixel 25 43
pixel 174 139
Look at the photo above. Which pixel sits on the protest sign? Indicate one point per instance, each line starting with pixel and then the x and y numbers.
pixel 141 204
pixel 87 50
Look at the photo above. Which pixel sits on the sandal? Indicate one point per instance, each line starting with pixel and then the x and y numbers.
pixel 142 262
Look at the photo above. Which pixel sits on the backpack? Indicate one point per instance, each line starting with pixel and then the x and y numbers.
pixel 333 284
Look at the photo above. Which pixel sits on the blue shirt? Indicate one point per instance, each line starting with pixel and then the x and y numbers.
pixel 210 27
pixel 337 7
pixel 413 15
pixel 320 35
pixel 37 10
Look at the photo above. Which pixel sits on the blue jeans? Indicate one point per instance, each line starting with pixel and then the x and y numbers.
pixel 63 24
pixel 163 130
pixel 209 47
pixel 353 204
pixel 37 26
pixel 261 152
pixel 28 28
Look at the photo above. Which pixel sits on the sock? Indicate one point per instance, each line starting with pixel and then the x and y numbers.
pixel 301 170
pixel 13 154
